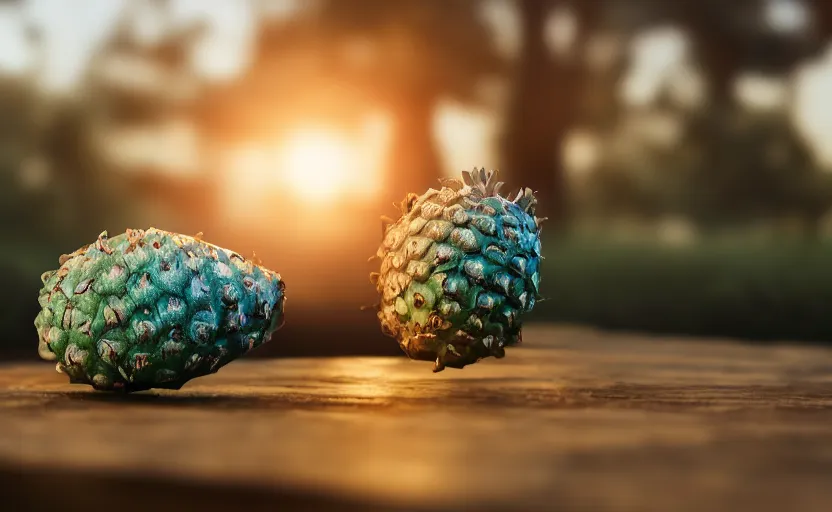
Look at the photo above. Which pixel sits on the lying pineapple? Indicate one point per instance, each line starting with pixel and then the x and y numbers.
pixel 153 309
pixel 458 270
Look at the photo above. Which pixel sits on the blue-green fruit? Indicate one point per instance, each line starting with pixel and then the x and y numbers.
pixel 153 309
pixel 459 269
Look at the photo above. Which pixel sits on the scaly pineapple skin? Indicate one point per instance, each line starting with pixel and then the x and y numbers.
pixel 458 270
pixel 153 309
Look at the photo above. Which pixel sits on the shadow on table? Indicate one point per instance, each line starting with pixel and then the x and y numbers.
pixel 52 489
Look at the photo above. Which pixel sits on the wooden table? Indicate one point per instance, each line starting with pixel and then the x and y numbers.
pixel 574 420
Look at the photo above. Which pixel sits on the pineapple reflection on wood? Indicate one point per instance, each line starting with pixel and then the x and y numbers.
pixel 154 309
pixel 458 270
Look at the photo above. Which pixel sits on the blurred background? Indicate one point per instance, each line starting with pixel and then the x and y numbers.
pixel 682 149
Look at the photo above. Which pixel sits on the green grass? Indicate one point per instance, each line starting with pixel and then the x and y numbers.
pixel 761 290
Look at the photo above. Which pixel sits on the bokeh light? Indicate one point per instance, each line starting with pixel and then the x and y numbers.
pixel 318 164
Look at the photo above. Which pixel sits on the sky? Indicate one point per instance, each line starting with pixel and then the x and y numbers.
pixel 72 29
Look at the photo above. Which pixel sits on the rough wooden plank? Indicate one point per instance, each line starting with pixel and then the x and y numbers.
pixel 575 418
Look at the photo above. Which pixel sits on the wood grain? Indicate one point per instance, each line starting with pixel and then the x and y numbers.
pixel 573 420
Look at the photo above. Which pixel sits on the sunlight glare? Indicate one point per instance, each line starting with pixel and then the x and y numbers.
pixel 318 165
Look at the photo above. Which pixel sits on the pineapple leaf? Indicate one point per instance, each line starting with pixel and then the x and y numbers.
pixel 483 183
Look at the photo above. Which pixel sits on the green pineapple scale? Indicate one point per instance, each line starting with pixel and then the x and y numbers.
pixel 153 309
pixel 458 271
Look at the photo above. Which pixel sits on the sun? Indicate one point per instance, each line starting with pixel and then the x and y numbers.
pixel 317 164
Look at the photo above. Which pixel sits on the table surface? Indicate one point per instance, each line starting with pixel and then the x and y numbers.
pixel 573 420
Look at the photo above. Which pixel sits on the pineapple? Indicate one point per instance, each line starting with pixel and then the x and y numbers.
pixel 153 309
pixel 458 271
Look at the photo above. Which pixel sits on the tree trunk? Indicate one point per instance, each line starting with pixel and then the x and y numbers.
pixel 716 45
pixel 547 96
pixel 821 12
pixel 413 163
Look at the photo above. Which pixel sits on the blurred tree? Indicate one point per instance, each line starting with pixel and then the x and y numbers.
pixel 18 132
pixel 821 16
pixel 734 171
pixel 49 167
pixel 729 38
pixel 750 167
pixel 49 187
pixel 548 95
pixel 408 55
pixel 137 80
pixel 134 88
pixel 288 80
pixel 728 164
pixel 339 59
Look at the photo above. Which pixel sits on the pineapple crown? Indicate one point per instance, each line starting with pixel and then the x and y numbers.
pixel 480 184
pixel 484 183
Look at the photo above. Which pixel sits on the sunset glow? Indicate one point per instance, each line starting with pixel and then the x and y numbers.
pixel 318 165
pixel 322 166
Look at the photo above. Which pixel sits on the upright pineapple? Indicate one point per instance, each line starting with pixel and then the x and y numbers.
pixel 153 309
pixel 458 270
